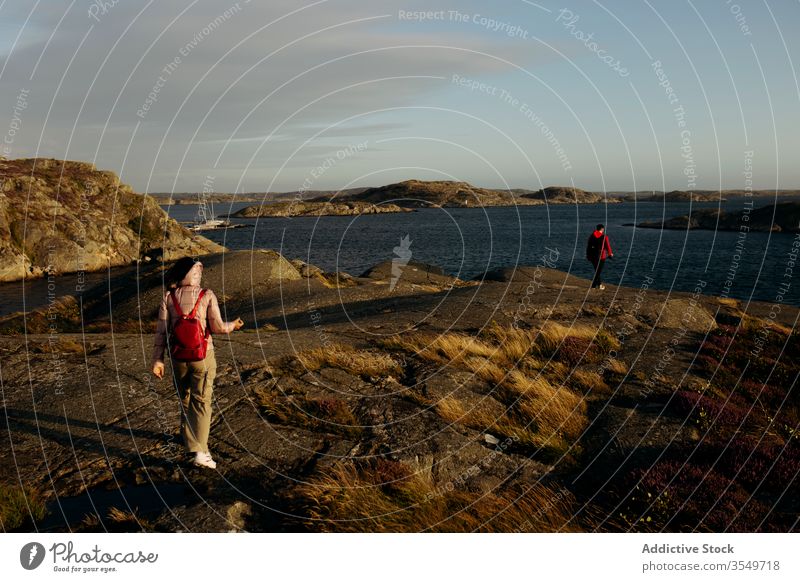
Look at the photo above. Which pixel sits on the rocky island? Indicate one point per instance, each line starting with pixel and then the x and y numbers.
pixel 781 217
pixel 567 195
pixel 449 194
pixel 680 196
pixel 315 208
pixel 412 194
pixel 181 198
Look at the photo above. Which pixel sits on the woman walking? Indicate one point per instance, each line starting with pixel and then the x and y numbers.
pixel 187 317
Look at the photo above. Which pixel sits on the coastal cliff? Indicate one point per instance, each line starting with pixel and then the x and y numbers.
pixel 63 216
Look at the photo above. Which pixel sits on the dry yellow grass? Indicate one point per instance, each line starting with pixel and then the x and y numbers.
pixel 588 381
pixel 552 335
pixel 120 519
pixel 616 366
pixel 320 414
pixel 90 521
pixel 455 347
pixel 556 372
pixel 753 323
pixel 19 506
pixel 553 409
pixel 557 332
pixel 518 385
pixel 485 369
pixel 450 409
pixel 347 498
pixel 540 414
pixel 357 362
pixel 120 515
pixel 503 346
pixel 513 344
pixel 506 426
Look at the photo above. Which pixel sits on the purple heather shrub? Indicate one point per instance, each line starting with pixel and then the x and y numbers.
pixel 679 496
pixel 708 363
pixel 769 396
pixel 769 466
pixel 707 409
pixel 718 342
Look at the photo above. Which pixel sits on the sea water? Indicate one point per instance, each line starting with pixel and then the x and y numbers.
pixel 468 242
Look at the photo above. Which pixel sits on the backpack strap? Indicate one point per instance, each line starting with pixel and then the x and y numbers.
pixel 193 314
pixel 176 303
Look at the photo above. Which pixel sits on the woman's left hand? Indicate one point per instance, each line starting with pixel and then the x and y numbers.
pixel 238 324
pixel 158 370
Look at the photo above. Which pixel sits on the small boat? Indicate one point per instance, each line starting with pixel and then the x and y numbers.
pixel 205 219
pixel 210 224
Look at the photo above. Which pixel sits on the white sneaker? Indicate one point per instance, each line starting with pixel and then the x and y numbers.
pixel 204 460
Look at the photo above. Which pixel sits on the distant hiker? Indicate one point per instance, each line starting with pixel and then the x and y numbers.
pixel 186 318
pixel 598 249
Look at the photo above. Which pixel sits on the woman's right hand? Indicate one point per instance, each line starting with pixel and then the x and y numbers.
pixel 158 370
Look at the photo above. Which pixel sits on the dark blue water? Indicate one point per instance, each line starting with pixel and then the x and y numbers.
pixel 468 242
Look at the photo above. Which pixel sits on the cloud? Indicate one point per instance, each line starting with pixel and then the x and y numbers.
pixel 218 75
pixel 357 50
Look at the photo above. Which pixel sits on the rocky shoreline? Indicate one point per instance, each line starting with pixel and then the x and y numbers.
pixel 407 401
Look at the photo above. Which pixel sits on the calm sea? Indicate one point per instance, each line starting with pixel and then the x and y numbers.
pixel 468 242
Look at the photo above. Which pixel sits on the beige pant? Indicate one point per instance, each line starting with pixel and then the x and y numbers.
pixel 195 382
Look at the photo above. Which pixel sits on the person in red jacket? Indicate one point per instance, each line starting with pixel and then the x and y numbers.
pixel 598 249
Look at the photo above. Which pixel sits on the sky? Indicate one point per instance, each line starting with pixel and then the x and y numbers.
pixel 279 95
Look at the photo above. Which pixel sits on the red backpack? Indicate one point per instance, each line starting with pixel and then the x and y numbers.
pixel 188 342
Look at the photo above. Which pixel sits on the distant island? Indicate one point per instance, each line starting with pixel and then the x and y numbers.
pixel 552 194
pixel 566 195
pixel 315 208
pixel 182 198
pixel 781 217
pixel 680 196
pixel 441 194
pixel 412 194
pixel 449 194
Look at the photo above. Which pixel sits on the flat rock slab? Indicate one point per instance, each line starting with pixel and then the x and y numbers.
pixel 87 419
